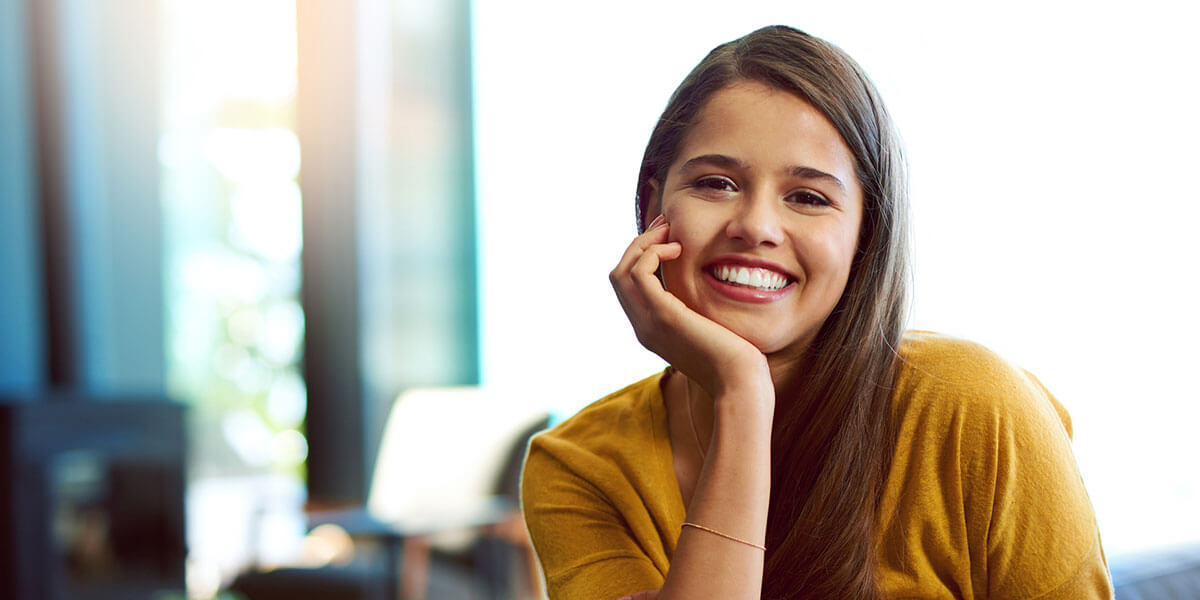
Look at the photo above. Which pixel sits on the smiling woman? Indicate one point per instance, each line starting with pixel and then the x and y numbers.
pixel 801 444
pixel 759 197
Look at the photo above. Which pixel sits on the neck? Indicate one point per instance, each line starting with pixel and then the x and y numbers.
pixel 788 375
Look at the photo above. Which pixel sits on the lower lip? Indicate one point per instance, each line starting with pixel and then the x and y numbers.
pixel 742 293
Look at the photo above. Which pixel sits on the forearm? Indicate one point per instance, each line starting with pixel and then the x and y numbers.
pixel 731 496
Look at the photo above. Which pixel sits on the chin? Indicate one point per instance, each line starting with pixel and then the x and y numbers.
pixel 775 348
pixel 771 344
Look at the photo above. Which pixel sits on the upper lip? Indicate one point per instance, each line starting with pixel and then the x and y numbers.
pixel 750 261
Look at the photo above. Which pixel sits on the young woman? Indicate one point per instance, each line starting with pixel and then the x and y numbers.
pixel 800 445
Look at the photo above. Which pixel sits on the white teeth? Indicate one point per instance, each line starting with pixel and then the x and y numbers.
pixel 761 279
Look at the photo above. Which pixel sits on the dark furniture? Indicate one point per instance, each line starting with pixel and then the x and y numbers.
pixel 91 498
pixel 498 565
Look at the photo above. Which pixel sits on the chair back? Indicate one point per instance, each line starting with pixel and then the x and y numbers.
pixel 443 454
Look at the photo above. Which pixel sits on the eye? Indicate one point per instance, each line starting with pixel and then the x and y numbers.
pixel 723 184
pixel 809 198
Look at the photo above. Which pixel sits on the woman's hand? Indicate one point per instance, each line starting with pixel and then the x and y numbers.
pixel 732 490
pixel 707 352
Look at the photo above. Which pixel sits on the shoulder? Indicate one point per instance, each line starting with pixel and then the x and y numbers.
pixel 929 358
pixel 602 447
pixel 985 447
pixel 609 425
pixel 954 377
pixel 596 493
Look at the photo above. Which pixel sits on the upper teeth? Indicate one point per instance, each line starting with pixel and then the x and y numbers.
pixel 763 279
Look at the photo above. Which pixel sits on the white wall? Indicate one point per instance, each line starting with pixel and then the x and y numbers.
pixel 1053 152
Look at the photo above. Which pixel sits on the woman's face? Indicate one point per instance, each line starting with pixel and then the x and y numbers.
pixel 764 200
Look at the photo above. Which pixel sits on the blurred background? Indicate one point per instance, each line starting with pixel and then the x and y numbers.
pixel 287 284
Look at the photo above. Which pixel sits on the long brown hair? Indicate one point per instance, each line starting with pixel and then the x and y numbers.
pixel 832 445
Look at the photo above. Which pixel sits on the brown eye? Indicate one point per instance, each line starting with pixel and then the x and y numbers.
pixel 715 183
pixel 809 198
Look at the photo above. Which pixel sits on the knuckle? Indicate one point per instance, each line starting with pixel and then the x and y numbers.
pixel 643 268
pixel 645 282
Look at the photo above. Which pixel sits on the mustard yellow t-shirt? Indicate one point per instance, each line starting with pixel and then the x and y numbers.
pixel 984 499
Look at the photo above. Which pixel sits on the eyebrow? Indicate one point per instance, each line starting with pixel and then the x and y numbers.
pixel 716 160
pixel 811 173
pixel 729 162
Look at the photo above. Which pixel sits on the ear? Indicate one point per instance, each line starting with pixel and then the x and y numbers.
pixel 653 202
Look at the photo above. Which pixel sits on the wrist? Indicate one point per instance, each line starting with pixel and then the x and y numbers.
pixel 746 378
pixel 749 405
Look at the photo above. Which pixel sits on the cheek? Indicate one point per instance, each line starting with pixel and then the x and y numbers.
pixel 677 279
pixel 845 249
pixel 830 254
pixel 685 231
pixel 694 223
pixel 673 271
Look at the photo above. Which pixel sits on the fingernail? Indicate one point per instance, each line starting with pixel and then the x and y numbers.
pixel 657 221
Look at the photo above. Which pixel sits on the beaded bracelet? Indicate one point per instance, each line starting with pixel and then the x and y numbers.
pixel 726 536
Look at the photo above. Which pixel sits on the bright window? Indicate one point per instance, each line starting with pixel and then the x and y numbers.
pixel 230 160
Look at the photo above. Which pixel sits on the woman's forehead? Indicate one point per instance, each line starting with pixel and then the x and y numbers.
pixel 765 128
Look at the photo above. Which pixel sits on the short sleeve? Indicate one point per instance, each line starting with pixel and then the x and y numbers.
pixel 1043 541
pixel 586 548
pixel 985 499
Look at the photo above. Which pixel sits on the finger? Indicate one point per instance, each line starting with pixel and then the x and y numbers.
pixel 654 235
pixel 644 278
pixel 648 263
pixel 638 282
pixel 639 246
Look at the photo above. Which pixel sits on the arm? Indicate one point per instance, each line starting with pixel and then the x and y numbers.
pixel 598 527
pixel 587 547
pixel 733 488
pixel 1044 540
pixel 731 496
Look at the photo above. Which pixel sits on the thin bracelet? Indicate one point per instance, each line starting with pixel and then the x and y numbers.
pixel 726 536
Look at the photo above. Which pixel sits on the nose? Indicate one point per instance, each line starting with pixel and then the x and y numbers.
pixel 756 221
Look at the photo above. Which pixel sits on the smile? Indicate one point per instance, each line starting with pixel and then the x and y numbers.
pixel 756 278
